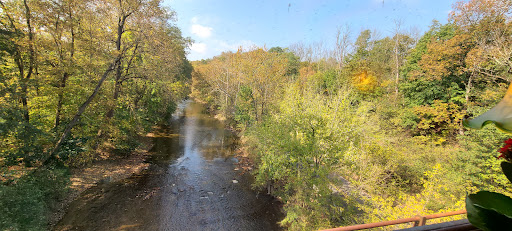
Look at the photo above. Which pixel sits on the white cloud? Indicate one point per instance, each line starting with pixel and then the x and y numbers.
pixel 214 47
pixel 245 44
pixel 201 31
pixel 200 48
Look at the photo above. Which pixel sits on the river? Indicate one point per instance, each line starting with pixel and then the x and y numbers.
pixel 191 184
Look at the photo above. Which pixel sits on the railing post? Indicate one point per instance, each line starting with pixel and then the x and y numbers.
pixel 420 221
pixel 417 221
pixel 423 221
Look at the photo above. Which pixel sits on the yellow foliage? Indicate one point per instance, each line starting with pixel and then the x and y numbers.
pixel 435 198
pixel 364 81
pixel 256 69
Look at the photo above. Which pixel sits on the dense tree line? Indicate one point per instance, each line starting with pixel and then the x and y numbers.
pixel 372 130
pixel 78 77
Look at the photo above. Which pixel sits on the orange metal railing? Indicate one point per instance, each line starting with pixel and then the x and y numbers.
pixel 418 221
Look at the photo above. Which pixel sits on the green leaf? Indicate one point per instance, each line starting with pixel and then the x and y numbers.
pixel 507 170
pixel 489 210
pixel 493 201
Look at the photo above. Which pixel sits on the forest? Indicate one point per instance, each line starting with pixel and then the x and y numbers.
pixel 372 126
pixel 368 130
pixel 78 78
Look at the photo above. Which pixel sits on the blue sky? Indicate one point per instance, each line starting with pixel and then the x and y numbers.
pixel 218 25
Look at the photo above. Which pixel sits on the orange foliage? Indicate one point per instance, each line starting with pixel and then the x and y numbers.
pixel 365 82
pixel 446 58
pixel 468 15
pixel 306 71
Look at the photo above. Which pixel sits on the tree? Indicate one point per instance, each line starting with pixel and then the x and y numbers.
pixel 363 45
pixel 343 44
pixel 57 58
pixel 259 72
pixel 489 25
pixel 402 44
pixel 419 88
pixel 23 52
pixel 59 19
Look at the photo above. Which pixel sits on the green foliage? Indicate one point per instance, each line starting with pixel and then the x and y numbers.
pixel 22 144
pixel 489 211
pixel 27 204
pixel 298 147
pixel 71 149
pixel 293 60
pixel 363 45
pixel 375 134
pixel 424 92
pixel 420 91
pixel 475 161
pixel 507 170
pixel 56 64
pixel 439 119
pixel 327 82
pixel 22 207
pixel 245 110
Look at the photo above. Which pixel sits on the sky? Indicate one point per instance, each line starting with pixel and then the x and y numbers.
pixel 216 26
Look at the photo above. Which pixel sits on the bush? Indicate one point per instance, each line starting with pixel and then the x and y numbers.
pixel 27 203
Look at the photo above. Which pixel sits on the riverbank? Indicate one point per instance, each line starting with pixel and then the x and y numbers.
pixel 108 167
pixel 190 184
pixel 243 153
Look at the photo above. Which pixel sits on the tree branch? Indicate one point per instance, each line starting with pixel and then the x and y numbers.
pixel 80 111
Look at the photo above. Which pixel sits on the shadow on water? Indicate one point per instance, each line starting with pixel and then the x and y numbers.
pixel 190 185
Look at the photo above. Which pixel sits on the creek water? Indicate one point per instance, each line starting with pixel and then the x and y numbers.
pixel 191 184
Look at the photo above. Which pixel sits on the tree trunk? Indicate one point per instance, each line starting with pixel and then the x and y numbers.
pixel 397 67
pixel 24 96
pixel 80 111
pixel 118 67
pixel 468 89
pixel 24 88
pixel 255 106
pixel 60 97
pixel 18 59
pixel 115 96
pixel 66 75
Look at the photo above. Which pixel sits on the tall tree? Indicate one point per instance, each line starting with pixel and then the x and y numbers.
pixel 342 45
pixel 489 24
pixel 133 53
pixel 23 51
pixel 60 21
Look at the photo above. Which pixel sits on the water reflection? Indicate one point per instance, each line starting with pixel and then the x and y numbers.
pixel 189 186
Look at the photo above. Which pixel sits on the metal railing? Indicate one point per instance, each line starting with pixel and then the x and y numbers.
pixel 418 221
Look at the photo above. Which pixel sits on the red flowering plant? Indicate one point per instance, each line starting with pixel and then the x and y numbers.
pixel 506 151
pixel 490 210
